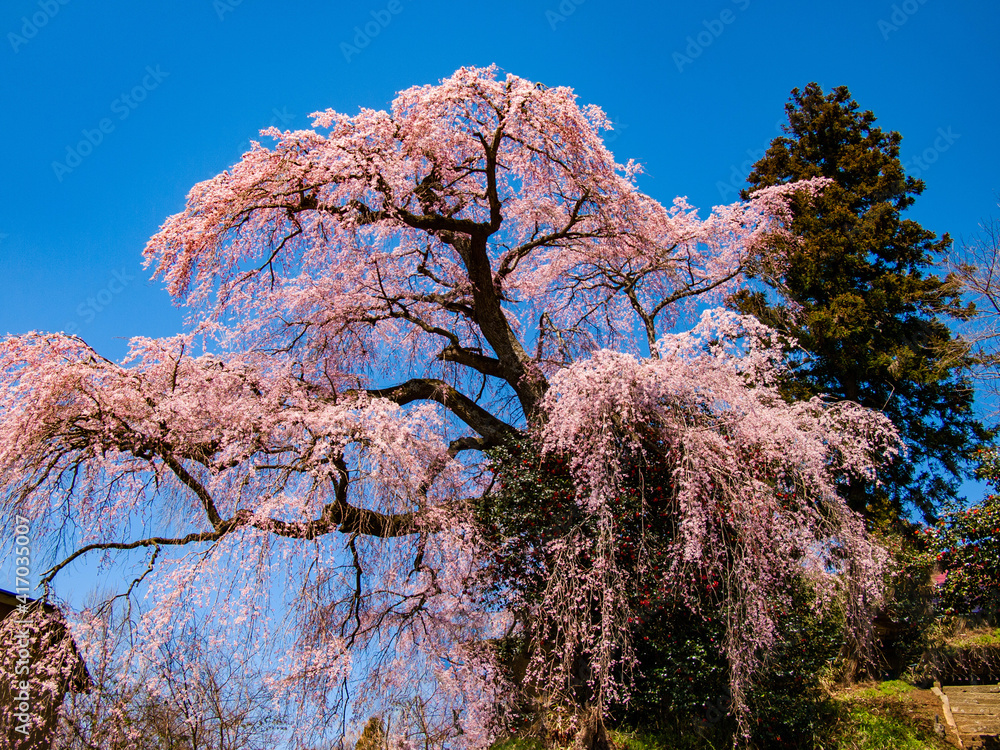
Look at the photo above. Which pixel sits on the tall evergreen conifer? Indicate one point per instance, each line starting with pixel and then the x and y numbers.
pixel 861 297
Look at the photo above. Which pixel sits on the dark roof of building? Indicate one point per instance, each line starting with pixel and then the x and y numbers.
pixel 9 602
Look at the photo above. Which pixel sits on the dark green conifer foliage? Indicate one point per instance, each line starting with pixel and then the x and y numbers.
pixel 861 296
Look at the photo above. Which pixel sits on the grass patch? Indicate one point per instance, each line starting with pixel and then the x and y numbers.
pixel 880 717
pixel 982 637
pixel 663 740
pixel 637 739
pixel 959 654
pixel 519 743
pixel 890 715
pixel 889 689
pixel 871 729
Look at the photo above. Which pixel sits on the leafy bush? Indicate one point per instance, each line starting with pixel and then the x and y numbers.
pixel 682 674
pixel 534 502
pixel 788 703
pixel 967 542
pixel 906 620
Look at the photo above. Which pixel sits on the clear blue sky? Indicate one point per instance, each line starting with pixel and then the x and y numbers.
pixel 172 92
pixel 697 89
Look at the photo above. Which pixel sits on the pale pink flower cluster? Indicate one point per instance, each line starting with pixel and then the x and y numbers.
pixel 755 478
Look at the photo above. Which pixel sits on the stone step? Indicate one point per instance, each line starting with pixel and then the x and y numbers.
pixel 992 705
pixel 978 730
pixel 981 730
pixel 986 742
pixel 976 711
pixel 983 698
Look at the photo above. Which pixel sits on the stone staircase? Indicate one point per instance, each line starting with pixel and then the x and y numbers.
pixel 976 713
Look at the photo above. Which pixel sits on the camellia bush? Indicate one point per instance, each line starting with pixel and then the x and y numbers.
pixel 967 543
pixel 376 305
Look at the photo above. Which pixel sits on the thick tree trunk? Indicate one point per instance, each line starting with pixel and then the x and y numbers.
pixel 592 734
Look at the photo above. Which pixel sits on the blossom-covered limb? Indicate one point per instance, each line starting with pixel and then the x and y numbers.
pixel 427 389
